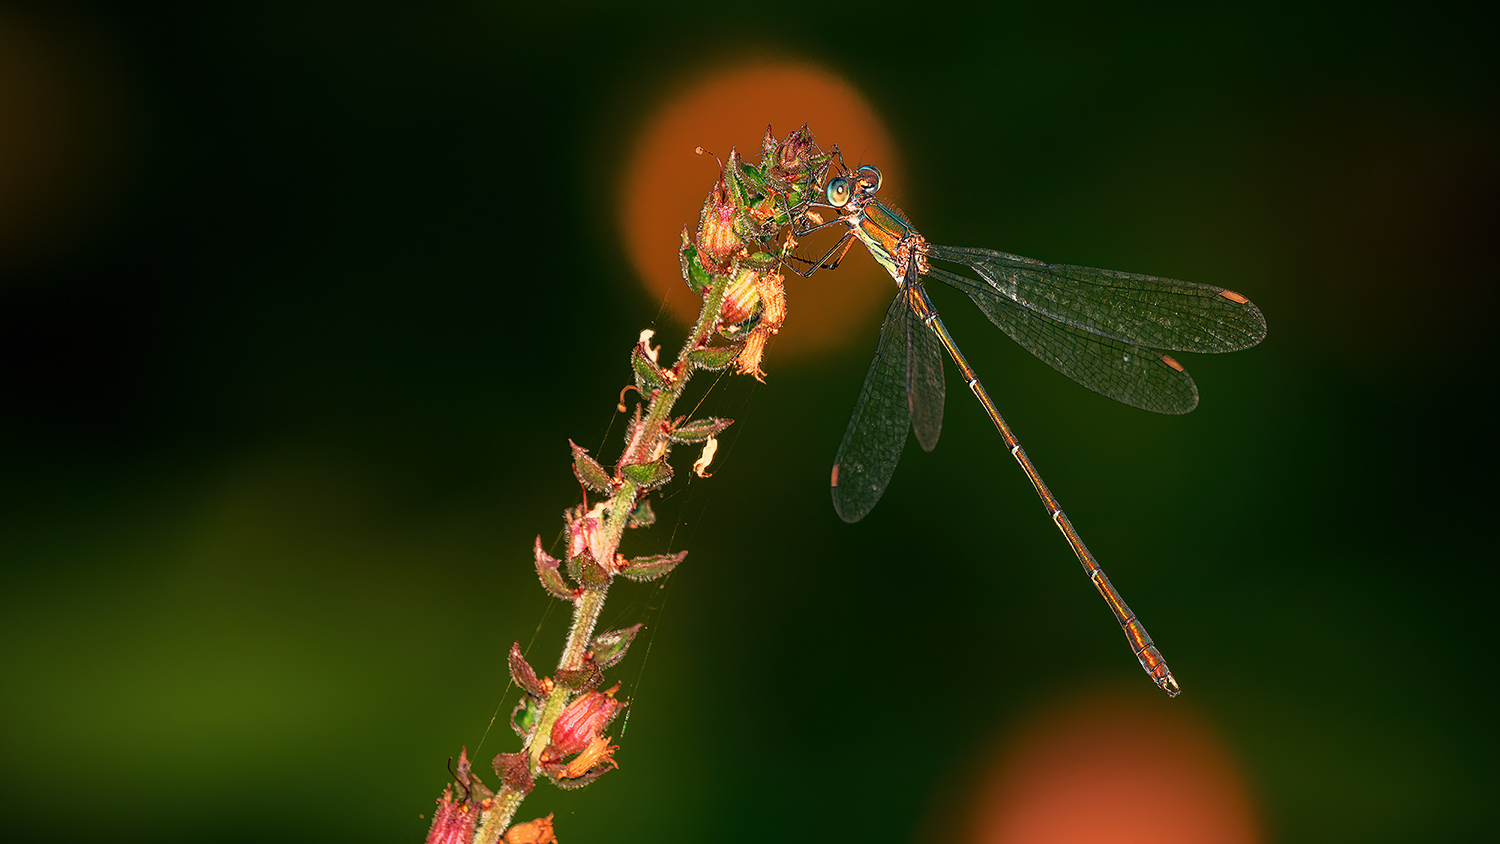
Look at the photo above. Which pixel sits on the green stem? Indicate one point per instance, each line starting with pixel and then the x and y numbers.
pixel 590 604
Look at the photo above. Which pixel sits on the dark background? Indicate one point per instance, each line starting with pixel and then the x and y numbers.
pixel 303 301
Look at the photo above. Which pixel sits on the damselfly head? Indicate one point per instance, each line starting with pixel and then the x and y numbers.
pixel 843 189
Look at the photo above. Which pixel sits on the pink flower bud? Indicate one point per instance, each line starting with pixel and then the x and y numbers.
pixel 583 721
pixel 717 240
pixel 796 151
pixel 741 297
pixel 454 821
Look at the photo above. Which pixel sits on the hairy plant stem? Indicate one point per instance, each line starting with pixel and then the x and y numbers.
pixel 646 441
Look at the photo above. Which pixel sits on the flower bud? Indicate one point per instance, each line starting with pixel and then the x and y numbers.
pixel 582 721
pixel 795 152
pixel 741 297
pixel 454 821
pixel 717 240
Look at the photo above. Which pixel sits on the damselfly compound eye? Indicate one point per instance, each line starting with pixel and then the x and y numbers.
pixel 869 175
pixel 838 192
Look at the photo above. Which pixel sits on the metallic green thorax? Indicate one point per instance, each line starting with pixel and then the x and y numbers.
pixel 882 231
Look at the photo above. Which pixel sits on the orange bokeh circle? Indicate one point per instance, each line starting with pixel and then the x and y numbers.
pixel 665 185
pixel 1113 768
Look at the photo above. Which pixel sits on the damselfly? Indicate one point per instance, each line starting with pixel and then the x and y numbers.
pixel 1107 330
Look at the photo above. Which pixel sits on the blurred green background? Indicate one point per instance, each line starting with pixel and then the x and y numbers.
pixel 300 302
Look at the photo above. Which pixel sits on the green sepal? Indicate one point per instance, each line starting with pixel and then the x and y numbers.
pixel 697 278
pixel 642 515
pixel 590 573
pixel 747 187
pixel 648 375
pixel 647 476
pixel 699 430
pixel 650 568
pixel 588 470
pixel 523 717
pixel 609 648
pixel 791 197
pixel 552 579
pixel 739 192
pixel 573 570
pixel 715 357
